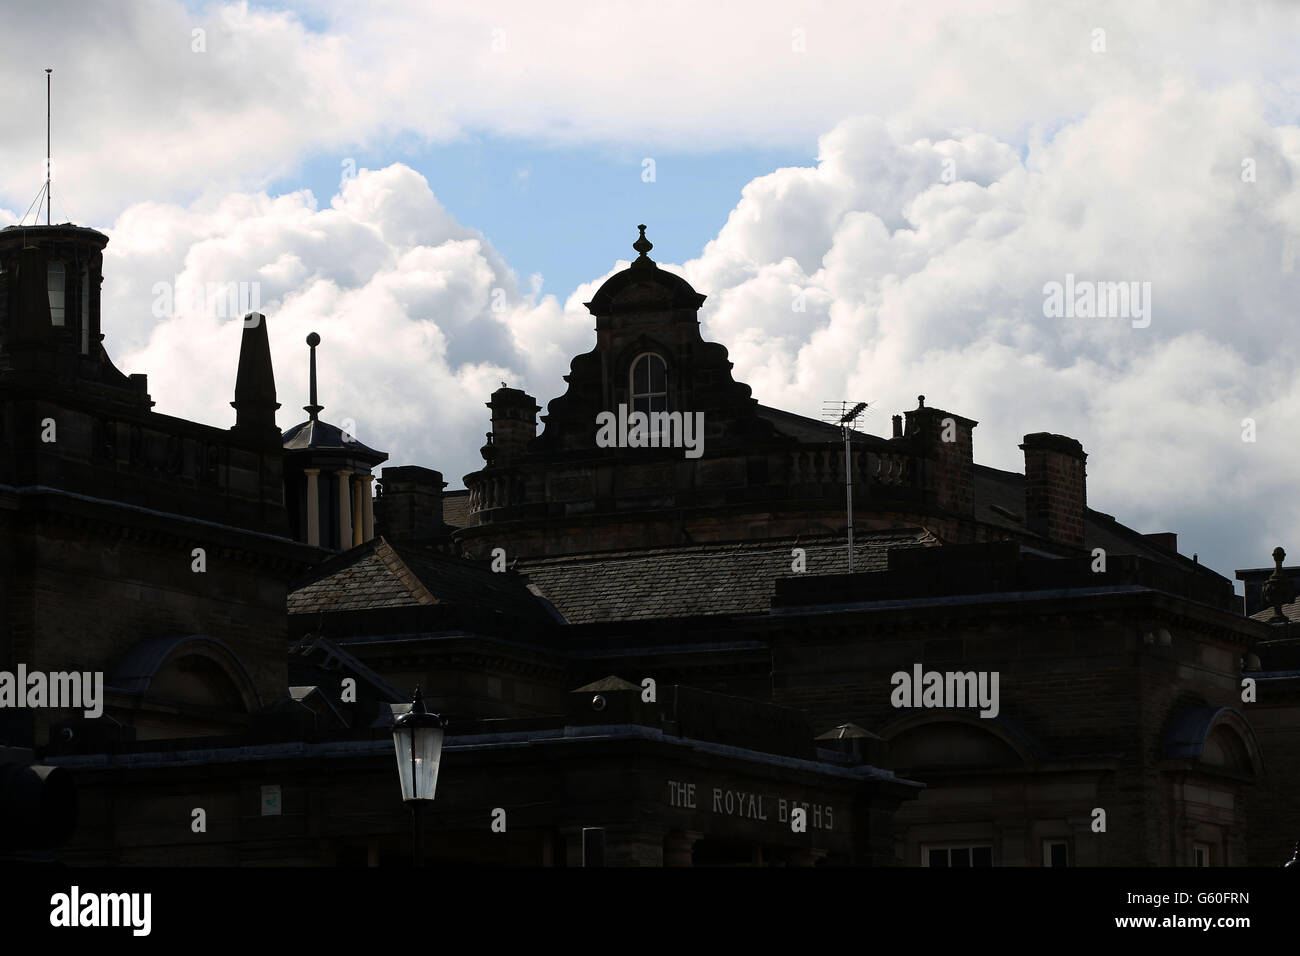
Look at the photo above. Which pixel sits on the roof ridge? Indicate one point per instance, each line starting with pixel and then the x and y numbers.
pixel 915 532
pixel 978 466
pixel 410 580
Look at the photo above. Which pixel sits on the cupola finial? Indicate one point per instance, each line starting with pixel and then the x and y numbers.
pixel 643 246
pixel 1278 589
pixel 313 409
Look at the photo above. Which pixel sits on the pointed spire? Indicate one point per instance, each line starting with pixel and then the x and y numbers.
pixel 643 246
pixel 255 402
pixel 314 409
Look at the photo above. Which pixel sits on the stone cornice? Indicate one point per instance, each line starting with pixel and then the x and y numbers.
pixel 1057 607
pixel 133 522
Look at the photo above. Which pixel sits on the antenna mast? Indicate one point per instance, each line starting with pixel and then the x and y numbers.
pixel 847 416
pixel 48 197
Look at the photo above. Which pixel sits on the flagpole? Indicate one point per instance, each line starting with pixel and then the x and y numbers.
pixel 49 199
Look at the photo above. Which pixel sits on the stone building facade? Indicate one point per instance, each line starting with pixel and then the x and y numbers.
pixel 640 619
pixel 141 546
pixel 1123 736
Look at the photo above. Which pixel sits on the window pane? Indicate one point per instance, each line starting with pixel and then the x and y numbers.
pixel 938 857
pixel 657 373
pixel 649 375
pixel 982 856
pixel 55 277
pixel 1059 855
pixel 960 856
pixel 85 311
pixel 641 404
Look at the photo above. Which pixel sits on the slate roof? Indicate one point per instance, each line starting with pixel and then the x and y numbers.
pixel 455 508
pixel 699 579
pixel 1290 611
pixel 367 582
pixel 811 430
pixel 322 436
pixel 848 732
pixel 378 574
pixel 607 683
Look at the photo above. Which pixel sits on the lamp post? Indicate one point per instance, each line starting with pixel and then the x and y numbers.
pixel 417 740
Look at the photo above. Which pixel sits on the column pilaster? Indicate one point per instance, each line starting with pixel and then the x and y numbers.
pixel 358 518
pixel 345 509
pixel 313 506
pixel 367 507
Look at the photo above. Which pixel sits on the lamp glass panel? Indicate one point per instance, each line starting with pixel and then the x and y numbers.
pixel 418 772
pixel 428 754
pixel 402 746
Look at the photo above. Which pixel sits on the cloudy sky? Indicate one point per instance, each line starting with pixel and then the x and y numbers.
pixel 436 188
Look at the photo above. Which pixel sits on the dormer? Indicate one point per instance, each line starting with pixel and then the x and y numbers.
pixel 650 357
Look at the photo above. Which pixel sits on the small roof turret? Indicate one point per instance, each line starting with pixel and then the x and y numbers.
pixel 320 439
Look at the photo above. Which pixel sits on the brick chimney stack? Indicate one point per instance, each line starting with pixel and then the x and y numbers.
pixel 1164 539
pixel 514 425
pixel 411 503
pixel 1056 487
pixel 943 442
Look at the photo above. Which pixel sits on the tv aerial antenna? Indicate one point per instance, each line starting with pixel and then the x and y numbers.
pixel 844 414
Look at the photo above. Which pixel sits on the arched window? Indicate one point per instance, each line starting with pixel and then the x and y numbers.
pixel 649 383
pixel 56 276
pixel 1223 748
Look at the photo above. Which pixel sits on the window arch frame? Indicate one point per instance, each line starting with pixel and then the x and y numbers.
pixel 651 393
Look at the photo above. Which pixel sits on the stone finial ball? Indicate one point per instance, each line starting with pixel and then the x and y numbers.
pixel 313 339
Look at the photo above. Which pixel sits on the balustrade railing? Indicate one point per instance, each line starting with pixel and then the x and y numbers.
pixel 809 465
pixel 826 466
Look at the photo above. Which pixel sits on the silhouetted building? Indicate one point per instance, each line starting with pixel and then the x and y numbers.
pixel 148 548
pixel 640 619
pixel 1120 735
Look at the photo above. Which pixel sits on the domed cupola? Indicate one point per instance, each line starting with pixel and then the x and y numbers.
pixel 644 287
pixel 328 477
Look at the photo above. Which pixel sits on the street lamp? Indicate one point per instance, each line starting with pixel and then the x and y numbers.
pixel 417 739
